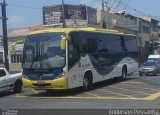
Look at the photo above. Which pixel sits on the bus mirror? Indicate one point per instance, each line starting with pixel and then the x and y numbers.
pixel 63 44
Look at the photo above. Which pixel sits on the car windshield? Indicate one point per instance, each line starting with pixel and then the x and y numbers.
pixel 42 51
pixel 149 64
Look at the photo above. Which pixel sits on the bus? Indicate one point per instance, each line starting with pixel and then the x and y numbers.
pixel 66 58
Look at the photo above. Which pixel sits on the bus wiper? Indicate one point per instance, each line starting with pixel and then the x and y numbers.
pixel 37 57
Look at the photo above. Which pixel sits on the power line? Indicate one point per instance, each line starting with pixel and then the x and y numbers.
pixel 113 5
pixel 127 4
pixel 24 6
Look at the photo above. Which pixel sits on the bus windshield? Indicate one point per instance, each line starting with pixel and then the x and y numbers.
pixel 42 51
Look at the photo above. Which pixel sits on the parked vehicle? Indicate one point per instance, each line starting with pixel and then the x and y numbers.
pixel 10 81
pixel 154 57
pixel 149 67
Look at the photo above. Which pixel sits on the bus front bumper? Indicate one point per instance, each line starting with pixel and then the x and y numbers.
pixel 57 84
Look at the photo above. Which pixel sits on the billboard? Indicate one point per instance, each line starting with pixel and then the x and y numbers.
pixel 92 16
pixel 52 15
pixel 79 15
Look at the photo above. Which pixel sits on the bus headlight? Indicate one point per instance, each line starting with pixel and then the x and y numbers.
pixel 60 76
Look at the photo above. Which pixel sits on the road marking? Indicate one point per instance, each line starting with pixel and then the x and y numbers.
pixel 130 90
pixel 149 98
pixel 92 94
pixel 141 87
pixel 153 96
pixel 72 97
pixel 116 93
pixel 17 94
pixel 34 91
pixel 132 82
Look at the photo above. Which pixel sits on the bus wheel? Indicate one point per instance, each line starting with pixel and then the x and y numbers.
pixel 49 91
pixel 87 83
pixel 124 73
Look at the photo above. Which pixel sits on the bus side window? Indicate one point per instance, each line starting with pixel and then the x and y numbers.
pixel 123 46
pixel 73 54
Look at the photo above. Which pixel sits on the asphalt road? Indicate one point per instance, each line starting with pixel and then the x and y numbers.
pixel 135 92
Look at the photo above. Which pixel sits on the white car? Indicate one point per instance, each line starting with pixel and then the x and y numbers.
pixel 10 81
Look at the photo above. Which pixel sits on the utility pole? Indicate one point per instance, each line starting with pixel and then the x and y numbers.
pixel 103 24
pixel 63 16
pixel 4 26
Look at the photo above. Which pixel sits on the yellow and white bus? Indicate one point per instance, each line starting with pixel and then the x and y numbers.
pixel 66 58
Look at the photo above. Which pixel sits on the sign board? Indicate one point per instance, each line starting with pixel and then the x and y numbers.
pixel 92 16
pixel 52 15
pixel 79 15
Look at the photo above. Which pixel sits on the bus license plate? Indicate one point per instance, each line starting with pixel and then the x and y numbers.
pixel 40 82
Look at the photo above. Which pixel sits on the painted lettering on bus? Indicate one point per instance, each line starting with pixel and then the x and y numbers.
pixel 102 60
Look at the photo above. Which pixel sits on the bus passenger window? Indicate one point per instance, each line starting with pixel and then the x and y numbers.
pixel 73 55
pixel 123 46
pixel 71 51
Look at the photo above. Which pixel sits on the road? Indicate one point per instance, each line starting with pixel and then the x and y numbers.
pixel 135 92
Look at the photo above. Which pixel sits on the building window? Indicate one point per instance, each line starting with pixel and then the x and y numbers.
pixel 16 58
pixel 144 29
pixel 147 29
pixel 140 27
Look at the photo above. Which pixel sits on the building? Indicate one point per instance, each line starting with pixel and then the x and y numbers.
pixel 14 35
pixel 146 30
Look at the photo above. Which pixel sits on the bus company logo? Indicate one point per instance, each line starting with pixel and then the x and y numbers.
pixel 47 75
pixel 102 60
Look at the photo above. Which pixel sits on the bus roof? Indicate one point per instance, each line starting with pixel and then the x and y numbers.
pixel 68 30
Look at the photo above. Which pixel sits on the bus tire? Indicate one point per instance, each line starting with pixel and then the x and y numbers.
pixel 124 73
pixel 49 91
pixel 87 82
pixel 17 87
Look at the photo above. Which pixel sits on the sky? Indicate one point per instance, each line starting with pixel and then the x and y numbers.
pixel 27 13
